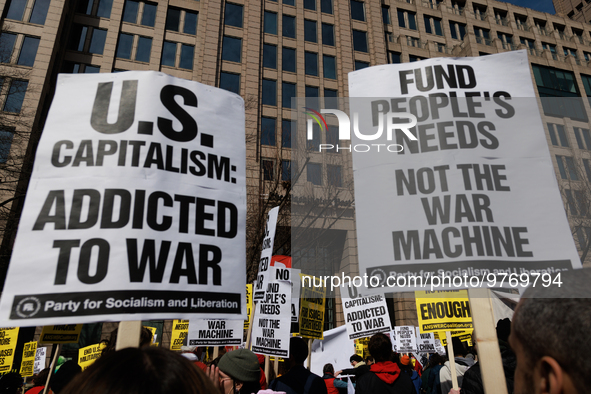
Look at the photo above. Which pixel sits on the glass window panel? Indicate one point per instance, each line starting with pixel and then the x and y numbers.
pixel 562 135
pixel 326 6
pixel 85 6
pixel 359 65
pixel 311 60
pixel 357 10
pixel 144 49
pixel 16 10
pixel 190 26
pixel 268 131
pixel 77 37
pixel 187 56
pixel 268 170
pixel 269 92
pixel 289 59
pixel 428 24
pixel 310 5
pixel 310 31
pixel 16 96
pixel 7 41
pixel 39 12
pixel 92 69
pixel 314 173
pixel 149 14
pixel 412 21
pixel 5 143
pixel 327 34
pixel 359 41
pixel 289 2
pixel 561 168
pixel 288 91
pixel 233 15
pixel 232 49
pixel 289 29
pixel 438 30
pixel 394 57
pixel 104 8
pixel 333 174
pixel 330 98
pixel 97 42
pixel 312 91
pixel 124 46
pixel 401 20
pixel 572 170
pixel 168 54
pixel 130 11
pixel 270 56
pixel 28 51
pixel 329 66
pixel 230 82
pixel 385 15
pixel 587 138
pixel 286 133
pixel 173 19
pixel 270 22
pixel 286 170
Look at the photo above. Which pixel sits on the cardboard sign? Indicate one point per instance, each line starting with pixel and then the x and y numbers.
pixel 272 321
pixel 443 310
pixel 180 329
pixel 68 333
pixel 215 332
pixel 266 255
pixel 89 354
pixel 40 355
pixel 425 342
pixel 28 360
pixel 463 185
pixel 249 305
pixel 406 340
pixel 8 338
pixel 136 205
pixel 312 305
pixel 365 316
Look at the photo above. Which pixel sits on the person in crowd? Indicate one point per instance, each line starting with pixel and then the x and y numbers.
pixel 193 354
pixel 145 340
pixel 332 384
pixel 356 361
pixel 436 361
pixel 550 336
pixel 444 383
pixel 39 381
pixel 237 371
pixel 384 376
pixel 11 383
pixel 359 367
pixel 148 370
pixel 263 378
pixel 298 380
pixel 405 365
pixel 67 372
pixel 472 382
pixel 369 360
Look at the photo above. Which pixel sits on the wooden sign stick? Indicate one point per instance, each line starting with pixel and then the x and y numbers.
pixel 52 366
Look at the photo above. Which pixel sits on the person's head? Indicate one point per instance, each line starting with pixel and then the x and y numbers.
pixel 436 359
pixel 458 347
pixel 141 370
pixel 298 351
pixel 503 329
pixel 549 335
pixel 328 368
pixel 240 371
pixel 380 347
pixel 10 383
pixel 67 372
pixel 354 359
pixel 41 378
pixel 405 362
pixel 369 360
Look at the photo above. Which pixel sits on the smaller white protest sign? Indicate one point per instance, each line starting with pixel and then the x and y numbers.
pixel 439 347
pixel 425 342
pixel 406 341
pixel 39 360
pixel 215 332
pixel 365 316
pixel 272 321
pixel 266 254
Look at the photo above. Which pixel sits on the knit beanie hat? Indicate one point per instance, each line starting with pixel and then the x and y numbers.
pixel 241 364
pixel 404 360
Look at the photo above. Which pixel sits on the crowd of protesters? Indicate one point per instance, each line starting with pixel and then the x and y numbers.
pixel 543 350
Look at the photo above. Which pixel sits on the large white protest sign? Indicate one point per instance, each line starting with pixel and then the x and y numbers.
pixel 406 341
pixel 266 255
pixel 215 332
pixel 136 206
pixel 272 321
pixel 425 342
pixel 464 185
pixel 365 316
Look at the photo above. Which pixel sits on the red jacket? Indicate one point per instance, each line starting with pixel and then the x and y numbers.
pixel 329 381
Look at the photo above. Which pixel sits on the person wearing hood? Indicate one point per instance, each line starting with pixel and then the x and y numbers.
pixel 462 365
pixel 405 365
pixel 384 376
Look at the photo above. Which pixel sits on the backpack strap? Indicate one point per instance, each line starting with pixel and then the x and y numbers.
pixel 309 383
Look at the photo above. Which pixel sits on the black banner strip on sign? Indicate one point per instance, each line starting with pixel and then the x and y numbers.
pixel 122 302
pixel 368 333
pixel 209 342
pixel 275 352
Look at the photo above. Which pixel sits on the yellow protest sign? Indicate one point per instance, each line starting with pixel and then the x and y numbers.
pixel 69 333
pixel 89 354
pixel 312 307
pixel 248 306
pixel 153 331
pixel 8 338
pixel 180 329
pixel 464 335
pixel 28 361
pixel 362 347
pixel 443 310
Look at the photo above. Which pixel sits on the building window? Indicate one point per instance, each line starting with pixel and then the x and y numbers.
pixel 458 30
pixel 570 52
pixel 16 11
pixel 310 5
pixel 100 8
pixel 311 60
pixel 267 169
pixel 413 58
pixel 286 126
pixel 268 131
pixel 144 49
pixel 433 25
pixel 359 41
pixel 587 169
pixel 583 236
pixel 286 170
pixel 80 68
pixel 270 22
pixel 334 176
pixel 327 34
pixel 233 15
pixel 554 84
pixel 583 138
pixel 187 56
pixel 124 46
pixel 313 93
pixel 289 59
pixel 506 40
pixel 181 20
pixel 169 51
pixel 570 201
pixel 139 10
pixel 393 57
pixel 310 31
pixel 331 98
pixel 232 49
pixel 566 168
pixel 230 82
pixel 288 91
pixel 270 56
pixel 359 65
pixel 16 96
pixel 482 36
pixel 329 66
pixel 314 143
pixel 5 144
pixel 7 41
pixel 357 10
pixel 557 135
pixel 288 2
pixel 332 138
pixel 480 12
pixel 78 41
pixel 314 173
pixel 269 96
pixel 289 26
pixel 521 21
pixel 501 17
pixel 386 15
pixel 28 50
pixel 326 6
pixel 407 19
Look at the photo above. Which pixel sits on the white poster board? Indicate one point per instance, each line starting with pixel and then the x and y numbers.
pixel 136 206
pixel 272 321
pixel 215 332
pixel 406 341
pixel 425 342
pixel 365 316
pixel 474 193
pixel 263 279
pixel 39 360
